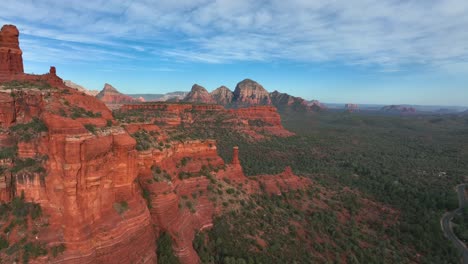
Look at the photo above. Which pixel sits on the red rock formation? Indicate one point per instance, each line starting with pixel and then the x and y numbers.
pixel 86 175
pixel 11 60
pixel 235 156
pixel 223 95
pixel 249 92
pixel 283 182
pixel 199 94
pixel 112 97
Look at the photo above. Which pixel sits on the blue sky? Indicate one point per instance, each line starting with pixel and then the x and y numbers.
pixel 360 51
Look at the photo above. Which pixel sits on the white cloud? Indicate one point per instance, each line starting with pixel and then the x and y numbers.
pixel 384 33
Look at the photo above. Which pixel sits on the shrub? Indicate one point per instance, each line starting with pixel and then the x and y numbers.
pixel 91 128
pixel 56 250
pixel 164 250
pixel 7 152
pixel 28 131
pixel 121 207
pixel 3 242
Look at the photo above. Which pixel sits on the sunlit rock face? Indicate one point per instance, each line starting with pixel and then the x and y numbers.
pixel 11 60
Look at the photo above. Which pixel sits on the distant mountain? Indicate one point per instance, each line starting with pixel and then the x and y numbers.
pixel 199 94
pixel 351 108
pixel 316 106
pixel 283 101
pixel 111 96
pixel 161 97
pixel 80 88
pixel 249 92
pixel 398 109
pixel 222 95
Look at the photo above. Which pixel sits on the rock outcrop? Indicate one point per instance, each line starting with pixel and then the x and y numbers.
pixel 249 92
pixel 11 60
pixel 113 98
pixel 80 88
pixel 223 96
pixel 199 94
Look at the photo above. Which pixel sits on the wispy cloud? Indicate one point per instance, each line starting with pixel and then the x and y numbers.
pixel 388 34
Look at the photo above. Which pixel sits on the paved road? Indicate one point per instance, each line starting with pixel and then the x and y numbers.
pixel 447 224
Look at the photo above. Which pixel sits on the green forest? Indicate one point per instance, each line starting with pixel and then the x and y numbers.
pixel 410 163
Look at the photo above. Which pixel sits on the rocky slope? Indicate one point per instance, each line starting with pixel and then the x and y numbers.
pixel 80 88
pixel 199 94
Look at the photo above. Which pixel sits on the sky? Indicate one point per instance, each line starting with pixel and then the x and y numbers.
pixel 340 51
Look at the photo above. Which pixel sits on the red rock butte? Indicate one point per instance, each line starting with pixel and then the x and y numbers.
pixel 11 60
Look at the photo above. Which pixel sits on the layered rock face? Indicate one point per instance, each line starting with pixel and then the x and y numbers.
pixel 113 98
pixel 223 95
pixel 199 94
pixel 86 176
pixel 11 60
pixel 249 92
pixel 83 181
